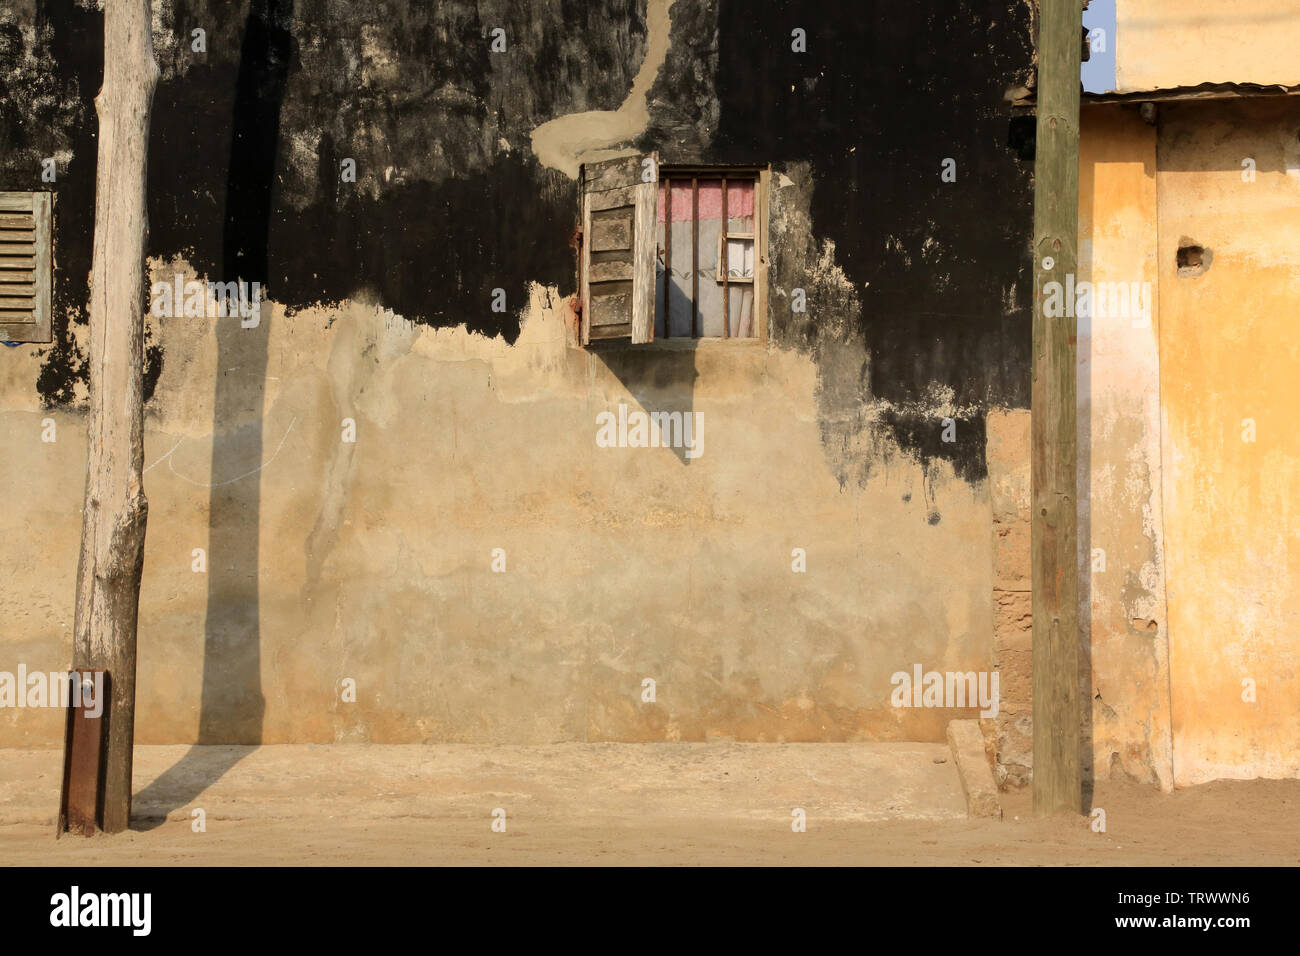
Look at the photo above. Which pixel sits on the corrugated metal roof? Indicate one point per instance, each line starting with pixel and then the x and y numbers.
pixel 1204 91
pixel 1023 98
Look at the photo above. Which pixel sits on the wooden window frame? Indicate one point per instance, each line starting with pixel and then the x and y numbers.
pixel 34 283
pixel 723 236
pixel 618 194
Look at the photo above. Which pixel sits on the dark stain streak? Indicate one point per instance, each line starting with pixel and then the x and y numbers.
pixel 46 107
pixel 921 435
pixel 450 204
pixel 893 97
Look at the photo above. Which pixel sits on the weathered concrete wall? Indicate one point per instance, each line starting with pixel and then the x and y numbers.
pixel 1123 629
pixel 1121 544
pixel 1166 43
pixel 1229 389
pixel 475 429
pixel 1012 729
pixel 1186 523
pixel 373 560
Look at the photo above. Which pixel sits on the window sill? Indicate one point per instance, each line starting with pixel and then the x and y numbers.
pixel 685 344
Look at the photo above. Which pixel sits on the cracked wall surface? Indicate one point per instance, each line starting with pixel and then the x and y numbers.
pixel 1121 531
pixel 330 560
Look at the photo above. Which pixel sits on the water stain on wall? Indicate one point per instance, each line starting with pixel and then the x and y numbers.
pixel 917 288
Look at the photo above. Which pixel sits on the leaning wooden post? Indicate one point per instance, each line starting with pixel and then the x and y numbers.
pixel 1057 780
pixel 115 510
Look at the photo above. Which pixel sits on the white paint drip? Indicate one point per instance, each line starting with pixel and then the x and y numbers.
pixel 565 142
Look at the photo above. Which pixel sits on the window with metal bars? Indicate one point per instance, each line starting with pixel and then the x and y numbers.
pixel 709 258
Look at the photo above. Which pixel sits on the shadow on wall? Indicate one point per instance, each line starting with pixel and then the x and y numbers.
pixel 658 380
pixel 232 705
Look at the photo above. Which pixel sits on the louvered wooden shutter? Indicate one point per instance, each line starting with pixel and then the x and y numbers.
pixel 619 199
pixel 25 267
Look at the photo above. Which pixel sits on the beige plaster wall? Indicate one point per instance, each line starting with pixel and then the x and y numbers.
pixel 1166 43
pixel 372 561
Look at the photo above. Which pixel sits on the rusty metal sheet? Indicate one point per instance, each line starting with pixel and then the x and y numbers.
pixel 85 742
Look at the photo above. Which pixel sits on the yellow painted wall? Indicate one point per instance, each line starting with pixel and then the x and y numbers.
pixel 1121 543
pixel 1165 43
pixel 1230 352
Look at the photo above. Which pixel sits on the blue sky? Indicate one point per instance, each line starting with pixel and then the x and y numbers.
pixel 1099 72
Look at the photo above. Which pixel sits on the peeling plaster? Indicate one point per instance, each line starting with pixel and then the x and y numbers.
pixel 566 142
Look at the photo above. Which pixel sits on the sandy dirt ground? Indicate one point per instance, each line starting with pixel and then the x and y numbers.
pixel 630 805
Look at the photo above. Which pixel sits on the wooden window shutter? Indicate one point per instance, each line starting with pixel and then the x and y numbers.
pixel 26 271
pixel 619 199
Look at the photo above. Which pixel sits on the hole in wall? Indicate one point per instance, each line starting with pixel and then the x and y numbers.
pixel 1022 136
pixel 1193 258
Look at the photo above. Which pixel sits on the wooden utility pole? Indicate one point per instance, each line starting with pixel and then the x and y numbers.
pixel 1057 780
pixel 115 510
